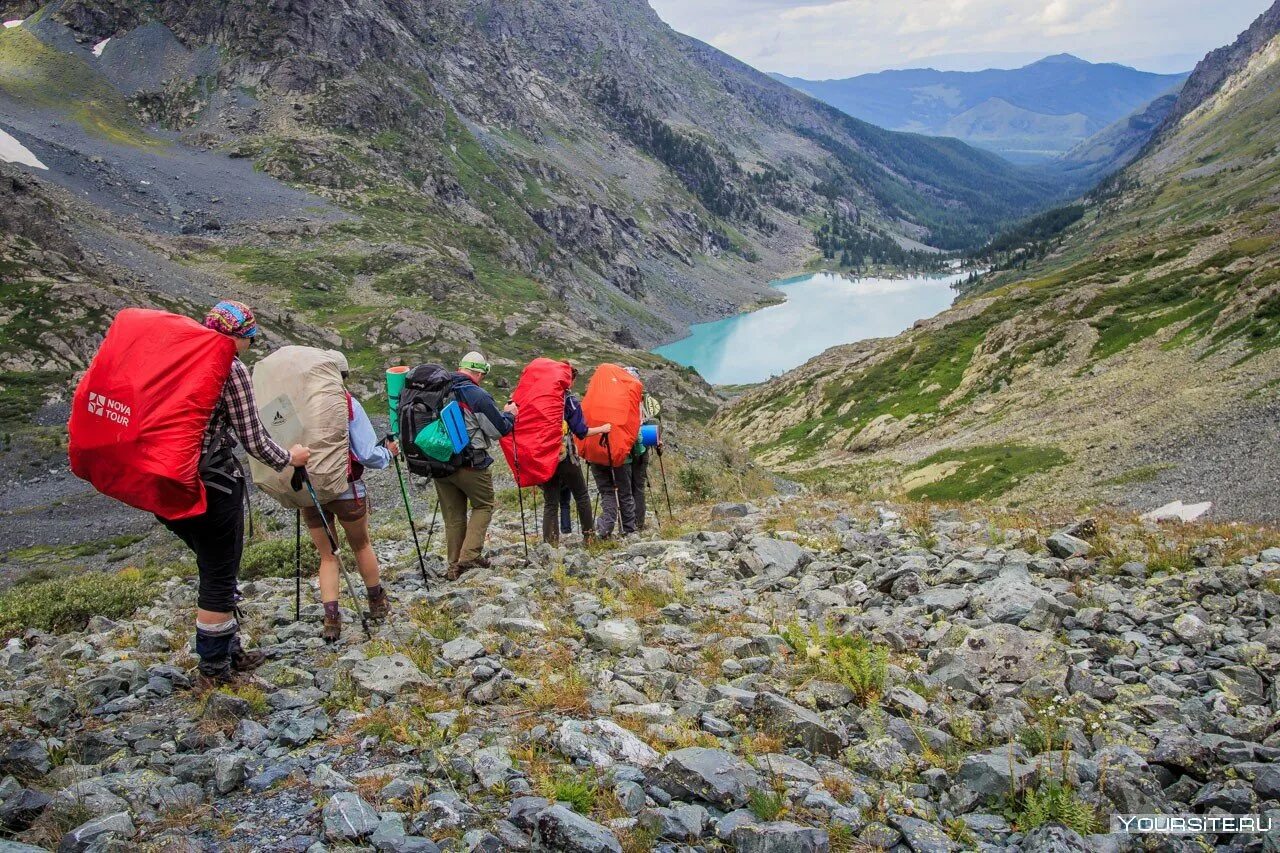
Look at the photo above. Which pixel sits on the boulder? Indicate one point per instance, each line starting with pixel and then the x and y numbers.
pixel 620 636
pixel 386 676
pixel 798 726
pixel 1001 653
pixel 922 836
pixel 348 818
pixel 565 831
pixel 603 743
pixel 461 649
pixel 780 837
pixel 82 838
pixel 1063 545
pixel 710 775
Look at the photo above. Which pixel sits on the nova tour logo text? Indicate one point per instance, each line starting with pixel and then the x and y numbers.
pixel 112 410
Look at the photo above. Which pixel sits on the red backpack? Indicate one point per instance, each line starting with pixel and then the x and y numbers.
pixel 536 440
pixel 139 415
pixel 613 397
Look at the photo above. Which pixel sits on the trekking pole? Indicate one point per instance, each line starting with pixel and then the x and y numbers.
pixel 648 487
pixel 515 457
pixel 408 511
pixel 431 531
pixel 297 565
pixel 300 478
pixel 663 468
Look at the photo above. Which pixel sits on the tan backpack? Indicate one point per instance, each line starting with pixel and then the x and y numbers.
pixel 302 401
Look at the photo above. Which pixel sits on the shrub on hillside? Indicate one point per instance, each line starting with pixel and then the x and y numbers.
pixel 274 558
pixel 67 603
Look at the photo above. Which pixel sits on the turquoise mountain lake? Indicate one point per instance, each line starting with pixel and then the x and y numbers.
pixel 821 311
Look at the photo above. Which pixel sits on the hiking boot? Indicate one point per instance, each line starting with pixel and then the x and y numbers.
pixel 206 682
pixel 245 661
pixel 477 563
pixel 332 628
pixel 379 605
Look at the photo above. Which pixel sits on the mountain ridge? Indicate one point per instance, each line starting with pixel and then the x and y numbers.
pixel 931 101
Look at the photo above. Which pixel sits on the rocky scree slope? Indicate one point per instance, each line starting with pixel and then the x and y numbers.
pixel 796 676
pixel 1141 346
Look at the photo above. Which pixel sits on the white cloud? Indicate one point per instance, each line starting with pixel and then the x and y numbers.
pixel 837 38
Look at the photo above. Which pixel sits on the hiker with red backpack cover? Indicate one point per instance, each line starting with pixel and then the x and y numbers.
pixel 613 396
pixel 155 421
pixel 540 449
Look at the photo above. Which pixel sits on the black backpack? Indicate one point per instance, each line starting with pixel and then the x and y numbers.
pixel 427 390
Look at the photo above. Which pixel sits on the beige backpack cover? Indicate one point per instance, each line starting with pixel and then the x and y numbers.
pixel 302 400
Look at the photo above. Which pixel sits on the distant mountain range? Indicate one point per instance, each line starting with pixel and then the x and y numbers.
pixel 1026 114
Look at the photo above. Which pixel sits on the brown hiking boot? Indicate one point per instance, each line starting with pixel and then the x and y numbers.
pixel 468 565
pixel 379 605
pixel 332 629
pixel 243 661
pixel 206 682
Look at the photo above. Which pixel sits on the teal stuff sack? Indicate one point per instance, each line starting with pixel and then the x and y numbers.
pixel 433 440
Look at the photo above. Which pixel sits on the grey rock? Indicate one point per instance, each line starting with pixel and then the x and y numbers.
pixel 25 759
pixel 774 557
pixel 560 829
pixel 1190 629
pixel 603 743
pixel 679 823
pixel 346 817
pixel 386 676
pixel 994 773
pixel 1054 838
pixel 780 837
pixel 154 639
pixel 741 510
pixel 1011 596
pixel 710 775
pixel 461 649
pixel 20 810
pixel 1063 545
pixel 54 707
pixel 491 765
pixel 229 772
pixel 798 726
pixel 82 838
pixel 922 836
pixel 620 636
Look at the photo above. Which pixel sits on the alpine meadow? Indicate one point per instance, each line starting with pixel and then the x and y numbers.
pixel 373 482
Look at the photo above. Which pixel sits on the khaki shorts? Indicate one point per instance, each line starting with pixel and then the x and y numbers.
pixel 347 510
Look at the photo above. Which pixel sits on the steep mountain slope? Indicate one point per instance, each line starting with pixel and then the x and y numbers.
pixel 1138 361
pixel 1025 114
pixel 1116 145
pixel 410 180
pixel 524 175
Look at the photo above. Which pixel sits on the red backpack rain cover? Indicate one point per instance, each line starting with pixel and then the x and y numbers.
pixel 540 423
pixel 613 397
pixel 139 415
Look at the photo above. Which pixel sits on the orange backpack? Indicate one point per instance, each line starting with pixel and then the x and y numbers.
pixel 613 397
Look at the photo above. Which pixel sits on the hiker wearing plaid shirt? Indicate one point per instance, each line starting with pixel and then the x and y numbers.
pixel 217 536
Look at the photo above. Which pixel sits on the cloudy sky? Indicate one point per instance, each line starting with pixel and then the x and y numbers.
pixel 839 38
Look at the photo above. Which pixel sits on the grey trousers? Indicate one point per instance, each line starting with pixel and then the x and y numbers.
pixel 613 502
